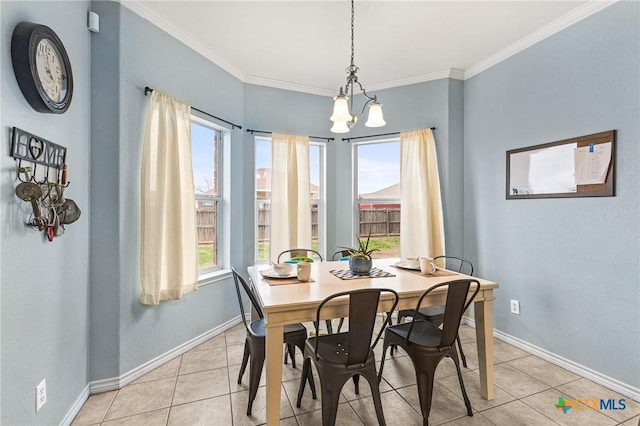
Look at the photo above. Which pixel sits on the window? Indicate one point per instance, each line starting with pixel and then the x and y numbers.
pixel 206 143
pixel 377 166
pixel 263 196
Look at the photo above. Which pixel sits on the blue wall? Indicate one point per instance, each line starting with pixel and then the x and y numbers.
pixel 146 56
pixel 44 285
pixel 573 263
pixel 85 285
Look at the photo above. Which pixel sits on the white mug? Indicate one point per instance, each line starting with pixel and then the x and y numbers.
pixel 427 265
pixel 304 271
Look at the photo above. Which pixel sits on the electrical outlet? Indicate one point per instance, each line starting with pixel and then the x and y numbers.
pixel 41 394
pixel 515 307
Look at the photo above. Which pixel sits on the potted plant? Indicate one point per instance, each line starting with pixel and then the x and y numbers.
pixel 360 258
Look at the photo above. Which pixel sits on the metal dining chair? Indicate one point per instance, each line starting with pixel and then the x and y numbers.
pixel 254 346
pixel 342 356
pixel 435 314
pixel 427 345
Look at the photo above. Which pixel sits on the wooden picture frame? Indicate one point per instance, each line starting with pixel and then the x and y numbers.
pixel 578 167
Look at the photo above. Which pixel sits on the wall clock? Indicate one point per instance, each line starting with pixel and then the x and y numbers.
pixel 42 67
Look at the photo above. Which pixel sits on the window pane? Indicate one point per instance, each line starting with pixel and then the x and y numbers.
pixel 378 188
pixel 204 154
pixel 263 194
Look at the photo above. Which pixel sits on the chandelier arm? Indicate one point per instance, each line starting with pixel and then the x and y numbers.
pixel 364 92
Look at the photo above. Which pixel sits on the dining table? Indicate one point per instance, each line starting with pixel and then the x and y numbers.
pixel 289 301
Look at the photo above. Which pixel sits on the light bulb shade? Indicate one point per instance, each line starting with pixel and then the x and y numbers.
pixel 340 109
pixel 375 118
pixel 340 127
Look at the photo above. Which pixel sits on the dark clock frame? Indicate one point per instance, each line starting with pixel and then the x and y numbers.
pixel 24 43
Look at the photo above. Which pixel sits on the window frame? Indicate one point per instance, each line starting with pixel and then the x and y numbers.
pixel 356 201
pixel 321 202
pixel 222 134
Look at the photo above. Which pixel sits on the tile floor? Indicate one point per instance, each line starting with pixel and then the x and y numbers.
pixel 199 388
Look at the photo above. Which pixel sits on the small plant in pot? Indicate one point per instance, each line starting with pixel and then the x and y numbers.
pixel 360 258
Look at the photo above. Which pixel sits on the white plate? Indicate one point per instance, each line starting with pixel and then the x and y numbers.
pixel 406 265
pixel 270 273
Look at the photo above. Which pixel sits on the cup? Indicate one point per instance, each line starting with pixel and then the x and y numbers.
pixel 427 265
pixel 304 271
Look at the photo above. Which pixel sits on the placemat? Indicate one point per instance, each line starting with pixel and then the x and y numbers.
pixel 346 274
pixel 283 281
pixel 438 273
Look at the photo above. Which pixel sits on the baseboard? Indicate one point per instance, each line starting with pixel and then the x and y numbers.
pixel 114 383
pixel 76 407
pixel 586 372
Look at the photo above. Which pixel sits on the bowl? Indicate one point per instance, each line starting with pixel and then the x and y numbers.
pixel 282 269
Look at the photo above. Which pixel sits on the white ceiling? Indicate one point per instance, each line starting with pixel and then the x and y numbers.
pixel 305 45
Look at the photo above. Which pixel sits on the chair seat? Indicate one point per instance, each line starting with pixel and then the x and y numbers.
pixel 332 348
pixel 258 328
pixel 431 312
pixel 423 334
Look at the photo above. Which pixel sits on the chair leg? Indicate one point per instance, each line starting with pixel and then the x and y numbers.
pixel 425 393
pixel 370 376
pixel 384 354
pixel 464 360
pixel 356 383
pixel 306 373
pixel 467 403
pixel 329 326
pixel 330 398
pixel 255 366
pixel 340 324
pixel 291 350
pixel 243 366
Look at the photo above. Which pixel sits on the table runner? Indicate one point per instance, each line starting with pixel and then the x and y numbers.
pixel 346 274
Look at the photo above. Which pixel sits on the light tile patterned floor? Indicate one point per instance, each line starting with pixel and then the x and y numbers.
pixel 200 388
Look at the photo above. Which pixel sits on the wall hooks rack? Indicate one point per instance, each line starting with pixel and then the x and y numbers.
pixel 51 209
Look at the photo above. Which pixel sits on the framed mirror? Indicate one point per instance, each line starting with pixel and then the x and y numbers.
pixel 577 167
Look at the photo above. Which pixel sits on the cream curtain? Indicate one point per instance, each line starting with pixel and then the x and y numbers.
pixel 168 267
pixel 421 224
pixel 290 194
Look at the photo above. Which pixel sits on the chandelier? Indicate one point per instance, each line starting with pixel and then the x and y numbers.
pixel 343 117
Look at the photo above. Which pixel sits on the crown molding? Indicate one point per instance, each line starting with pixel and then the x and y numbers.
pixel 420 78
pixel 548 30
pixel 287 85
pixel 148 13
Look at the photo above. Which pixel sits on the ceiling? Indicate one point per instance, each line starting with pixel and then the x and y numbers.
pixel 305 45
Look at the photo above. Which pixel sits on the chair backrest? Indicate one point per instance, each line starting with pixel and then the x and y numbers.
pixel 363 309
pixel 339 254
pixel 454 263
pixel 457 302
pixel 300 252
pixel 240 282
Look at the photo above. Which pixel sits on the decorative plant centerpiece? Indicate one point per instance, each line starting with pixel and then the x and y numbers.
pixel 360 258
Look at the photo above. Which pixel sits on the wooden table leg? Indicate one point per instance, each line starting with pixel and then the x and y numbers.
pixel 273 361
pixel 483 311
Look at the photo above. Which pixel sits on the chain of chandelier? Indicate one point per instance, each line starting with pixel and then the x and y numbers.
pixel 342 116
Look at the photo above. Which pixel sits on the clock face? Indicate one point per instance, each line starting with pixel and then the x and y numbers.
pixel 42 67
pixel 51 70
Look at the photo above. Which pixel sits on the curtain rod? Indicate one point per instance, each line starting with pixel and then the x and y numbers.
pixel 252 131
pixel 233 126
pixel 375 136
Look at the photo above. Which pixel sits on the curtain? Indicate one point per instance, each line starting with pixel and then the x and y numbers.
pixel 169 264
pixel 421 223
pixel 290 194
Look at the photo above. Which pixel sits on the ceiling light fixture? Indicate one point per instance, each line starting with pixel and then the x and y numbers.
pixel 343 117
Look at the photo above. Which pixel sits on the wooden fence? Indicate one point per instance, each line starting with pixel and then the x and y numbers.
pixel 206 225
pixel 381 222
